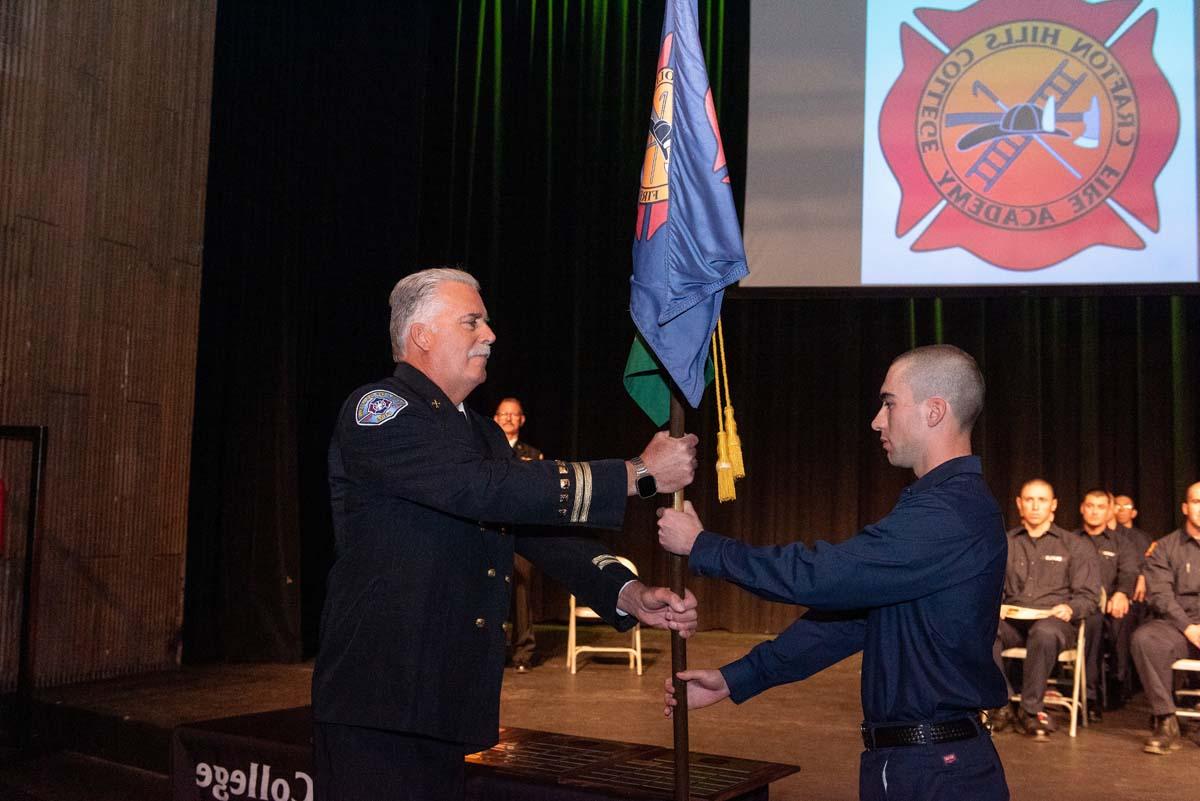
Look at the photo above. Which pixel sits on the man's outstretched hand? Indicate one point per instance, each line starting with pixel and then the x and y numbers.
pixel 677 531
pixel 660 608
pixel 704 688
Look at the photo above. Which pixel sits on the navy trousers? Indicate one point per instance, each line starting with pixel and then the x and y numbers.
pixel 353 763
pixel 966 769
pixel 1157 644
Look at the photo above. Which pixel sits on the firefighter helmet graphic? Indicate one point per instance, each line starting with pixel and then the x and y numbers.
pixel 1029 130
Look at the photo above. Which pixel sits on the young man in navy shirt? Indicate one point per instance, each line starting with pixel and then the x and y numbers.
pixel 917 592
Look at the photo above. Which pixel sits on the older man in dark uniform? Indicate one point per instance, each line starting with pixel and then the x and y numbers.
pixel 917 592
pixel 1173 594
pixel 510 416
pixel 408 675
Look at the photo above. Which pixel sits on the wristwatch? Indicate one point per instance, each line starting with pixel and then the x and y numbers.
pixel 647 487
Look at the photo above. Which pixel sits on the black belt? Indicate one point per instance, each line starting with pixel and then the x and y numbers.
pixel 943 731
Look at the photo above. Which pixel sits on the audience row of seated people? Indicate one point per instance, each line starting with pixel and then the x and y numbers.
pixel 1140 598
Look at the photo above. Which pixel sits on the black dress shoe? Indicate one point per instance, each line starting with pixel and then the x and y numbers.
pixel 1039 726
pixel 1000 718
pixel 1165 737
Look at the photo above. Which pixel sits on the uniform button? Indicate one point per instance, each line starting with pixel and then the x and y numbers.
pixel 480 622
pixel 508 579
pixel 491 572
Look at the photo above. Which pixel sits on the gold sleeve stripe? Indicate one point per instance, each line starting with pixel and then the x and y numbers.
pixel 587 492
pixel 579 487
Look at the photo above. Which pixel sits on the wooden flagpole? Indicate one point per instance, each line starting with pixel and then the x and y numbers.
pixel 678 644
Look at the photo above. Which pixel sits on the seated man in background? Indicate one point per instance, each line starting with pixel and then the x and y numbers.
pixel 1119 563
pixel 1173 592
pixel 1126 513
pixel 1052 570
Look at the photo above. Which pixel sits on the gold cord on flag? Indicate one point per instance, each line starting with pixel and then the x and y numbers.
pixel 735 442
pixel 729 446
pixel 725 488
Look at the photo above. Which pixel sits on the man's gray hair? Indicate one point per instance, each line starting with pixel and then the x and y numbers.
pixel 414 300
pixel 949 373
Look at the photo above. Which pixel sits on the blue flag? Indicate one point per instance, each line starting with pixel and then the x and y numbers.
pixel 688 246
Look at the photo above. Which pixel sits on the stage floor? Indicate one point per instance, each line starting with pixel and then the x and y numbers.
pixel 813 724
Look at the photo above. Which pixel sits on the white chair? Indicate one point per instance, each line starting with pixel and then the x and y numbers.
pixel 586 613
pixel 1073 657
pixel 1193 665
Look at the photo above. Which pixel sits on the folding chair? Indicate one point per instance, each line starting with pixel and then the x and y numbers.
pixel 1072 657
pixel 1187 665
pixel 586 613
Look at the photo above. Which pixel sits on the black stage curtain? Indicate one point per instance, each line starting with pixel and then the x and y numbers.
pixel 351 146
pixel 312 212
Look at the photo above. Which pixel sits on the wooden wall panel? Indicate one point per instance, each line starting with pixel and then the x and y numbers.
pixel 104 124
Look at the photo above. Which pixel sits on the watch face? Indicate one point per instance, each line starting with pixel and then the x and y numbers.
pixel 647 487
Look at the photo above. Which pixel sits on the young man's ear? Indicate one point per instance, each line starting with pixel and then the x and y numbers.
pixel 938 409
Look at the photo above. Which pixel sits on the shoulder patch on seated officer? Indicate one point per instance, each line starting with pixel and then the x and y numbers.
pixel 604 560
pixel 377 407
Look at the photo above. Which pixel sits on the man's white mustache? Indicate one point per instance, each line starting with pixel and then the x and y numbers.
pixel 485 352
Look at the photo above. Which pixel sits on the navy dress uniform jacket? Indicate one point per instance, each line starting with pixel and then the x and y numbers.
pixel 526 452
pixel 411 632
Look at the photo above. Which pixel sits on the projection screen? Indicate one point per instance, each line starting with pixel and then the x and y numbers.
pixel 988 143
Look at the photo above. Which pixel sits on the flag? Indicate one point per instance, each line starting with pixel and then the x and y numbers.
pixel 688 246
pixel 644 382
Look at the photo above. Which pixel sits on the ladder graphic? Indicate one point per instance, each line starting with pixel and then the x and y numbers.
pixel 998 156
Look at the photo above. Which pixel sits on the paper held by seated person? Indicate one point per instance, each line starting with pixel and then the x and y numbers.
pixel 1022 612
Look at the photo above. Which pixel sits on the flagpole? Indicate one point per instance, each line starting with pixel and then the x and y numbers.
pixel 678 644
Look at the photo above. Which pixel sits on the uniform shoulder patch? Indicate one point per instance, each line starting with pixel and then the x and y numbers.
pixel 377 407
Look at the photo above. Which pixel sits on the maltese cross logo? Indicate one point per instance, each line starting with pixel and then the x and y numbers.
pixel 1029 133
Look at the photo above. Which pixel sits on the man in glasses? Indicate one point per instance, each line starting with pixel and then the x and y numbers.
pixel 1126 514
pixel 522 647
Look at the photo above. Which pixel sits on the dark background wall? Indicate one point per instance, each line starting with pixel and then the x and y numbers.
pixel 104 122
pixel 351 145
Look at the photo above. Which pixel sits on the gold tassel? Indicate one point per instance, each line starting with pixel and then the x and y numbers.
pixel 725 488
pixel 735 442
